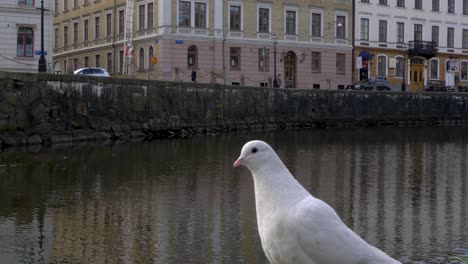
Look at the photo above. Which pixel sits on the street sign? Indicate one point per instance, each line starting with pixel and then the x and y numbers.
pixel 154 60
pixel 179 41
pixel 38 52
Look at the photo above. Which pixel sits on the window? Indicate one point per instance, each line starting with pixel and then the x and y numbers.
pixel 75 33
pixel 121 61
pixel 450 37
pixel 97 27
pixel 364 29
pixel 365 1
pixel 382 2
pixel 150 10
pixel 400 32
pixel 26 2
pixel 25 42
pixel 464 70
pixel 381 66
pixel 97 60
pixel 418 4
pixel 65 5
pixel 150 55
pixel 108 25
pixel 141 17
pixel 56 38
pixel 316 61
pixel 382 31
pixel 465 39
pixel 316 25
pixel 184 14
pixel 399 67
pixel 75 3
pixel 435 5
pixel 291 22
pixel 200 15
pixel 451 6
pixel 75 64
pixel 109 62
pixel 141 57
pixel 65 36
pixel 340 63
pixel 56 5
pixel 192 57
pixel 400 3
pixel 235 18
pixel 417 32
pixel 340 27
pixel 86 61
pixel 263 58
pixel 235 58
pixel 465 7
pixel 121 21
pixel 435 35
pixel 65 66
pixel 263 20
pixel 434 69
pixel 86 30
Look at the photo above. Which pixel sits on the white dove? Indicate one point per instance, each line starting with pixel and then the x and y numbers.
pixel 294 226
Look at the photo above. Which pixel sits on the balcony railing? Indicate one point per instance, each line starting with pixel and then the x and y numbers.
pixel 427 49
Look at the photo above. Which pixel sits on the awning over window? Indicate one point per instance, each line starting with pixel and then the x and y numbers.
pixel 365 55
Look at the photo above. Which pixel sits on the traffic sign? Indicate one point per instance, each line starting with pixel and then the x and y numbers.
pixel 154 60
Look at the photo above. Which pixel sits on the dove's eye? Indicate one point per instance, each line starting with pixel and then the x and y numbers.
pixel 254 150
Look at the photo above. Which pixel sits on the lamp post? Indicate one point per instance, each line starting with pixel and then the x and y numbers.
pixel 42 59
pixel 275 43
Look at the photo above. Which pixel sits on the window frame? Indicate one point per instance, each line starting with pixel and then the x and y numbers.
pixel 267 28
pixel 399 66
pixel 25 38
pixel 364 28
pixel 184 15
pixel 437 75
pixel 239 18
pixel 288 21
pixel 192 53
pixel 318 12
pixel 263 58
pixel 316 61
pixel 400 36
pixel 235 53
pixel 383 31
pixel 340 64
pixel 385 69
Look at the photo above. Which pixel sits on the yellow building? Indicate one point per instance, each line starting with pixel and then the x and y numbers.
pixel 229 42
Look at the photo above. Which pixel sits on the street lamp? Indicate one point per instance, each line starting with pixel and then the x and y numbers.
pixel 42 59
pixel 275 43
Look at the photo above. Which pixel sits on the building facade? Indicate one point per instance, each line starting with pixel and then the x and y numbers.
pixel 20 24
pixel 223 41
pixel 420 45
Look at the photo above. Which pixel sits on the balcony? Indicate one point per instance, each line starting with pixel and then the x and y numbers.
pixel 426 49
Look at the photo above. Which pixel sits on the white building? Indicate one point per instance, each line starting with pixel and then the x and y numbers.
pixel 417 42
pixel 20 27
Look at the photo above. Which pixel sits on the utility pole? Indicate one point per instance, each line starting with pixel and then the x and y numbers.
pixel 42 59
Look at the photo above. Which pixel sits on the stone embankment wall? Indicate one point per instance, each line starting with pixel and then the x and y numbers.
pixel 48 108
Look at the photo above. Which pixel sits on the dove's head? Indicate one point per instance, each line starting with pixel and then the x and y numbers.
pixel 254 154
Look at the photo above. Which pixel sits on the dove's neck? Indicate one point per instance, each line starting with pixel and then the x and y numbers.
pixel 276 188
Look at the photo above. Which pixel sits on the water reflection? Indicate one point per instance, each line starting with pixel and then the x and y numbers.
pixel 179 201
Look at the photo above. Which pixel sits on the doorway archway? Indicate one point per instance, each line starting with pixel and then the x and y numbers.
pixel 290 62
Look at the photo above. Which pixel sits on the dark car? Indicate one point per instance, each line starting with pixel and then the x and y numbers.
pixel 379 84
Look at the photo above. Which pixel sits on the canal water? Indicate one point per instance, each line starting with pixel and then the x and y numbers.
pixel 179 201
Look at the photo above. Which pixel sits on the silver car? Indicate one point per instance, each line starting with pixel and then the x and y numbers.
pixel 92 71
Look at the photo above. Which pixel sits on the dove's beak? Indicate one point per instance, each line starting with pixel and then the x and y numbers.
pixel 238 162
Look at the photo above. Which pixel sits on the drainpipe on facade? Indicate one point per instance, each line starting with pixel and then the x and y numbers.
pixel 113 37
pixel 352 43
pixel 224 62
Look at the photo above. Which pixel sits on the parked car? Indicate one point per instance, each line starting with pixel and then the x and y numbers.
pixel 92 71
pixel 379 83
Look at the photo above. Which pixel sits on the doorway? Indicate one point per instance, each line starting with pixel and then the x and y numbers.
pixel 417 75
pixel 290 70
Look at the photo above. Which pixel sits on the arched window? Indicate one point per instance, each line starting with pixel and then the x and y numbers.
pixel 434 69
pixel 25 42
pixel 382 65
pixel 399 67
pixel 150 55
pixel 464 70
pixel 141 57
pixel 192 57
